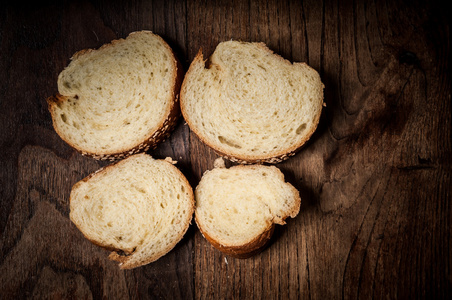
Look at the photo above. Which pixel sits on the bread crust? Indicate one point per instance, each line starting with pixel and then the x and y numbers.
pixel 155 137
pixel 272 157
pixel 247 250
pixel 121 255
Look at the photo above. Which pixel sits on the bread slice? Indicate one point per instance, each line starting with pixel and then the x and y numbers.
pixel 120 99
pixel 249 104
pixel 236 208
pixel 139 208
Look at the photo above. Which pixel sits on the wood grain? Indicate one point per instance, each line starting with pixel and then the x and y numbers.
pixel 375 178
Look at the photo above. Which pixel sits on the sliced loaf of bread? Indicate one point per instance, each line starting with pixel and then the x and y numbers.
pixel 139 208
pixel 236 208
pixel 120 99
pixel 249 104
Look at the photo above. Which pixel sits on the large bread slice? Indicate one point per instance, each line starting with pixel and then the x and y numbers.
pixel 236 208
pixel 119 99
pixel 249 104
pixel 139 208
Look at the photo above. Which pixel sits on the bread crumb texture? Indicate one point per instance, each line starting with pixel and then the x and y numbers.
pixel 235 206
pixel 139 207
pixel 250 103
pixel 116 97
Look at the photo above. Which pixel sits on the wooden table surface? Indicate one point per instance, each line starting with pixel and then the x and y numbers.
pixel 375 178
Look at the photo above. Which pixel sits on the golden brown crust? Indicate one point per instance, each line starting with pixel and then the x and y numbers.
pixel 272 158
pixel 155 137
pixel 243 251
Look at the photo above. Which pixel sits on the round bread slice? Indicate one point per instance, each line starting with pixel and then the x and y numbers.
pixel 139 208
pixel 120 99
pixel 236 208
pixel 251 105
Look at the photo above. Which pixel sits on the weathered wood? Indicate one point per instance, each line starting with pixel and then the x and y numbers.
pixel 375 177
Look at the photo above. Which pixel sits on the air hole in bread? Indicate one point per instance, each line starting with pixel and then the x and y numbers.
pixel 225 141
pixel 63 118
pixel 141 190
pixel 300 128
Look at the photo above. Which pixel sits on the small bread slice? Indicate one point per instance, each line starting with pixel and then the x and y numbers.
pixel 249 104
pixel 139 208
pixel 237 208
pixel 120 99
